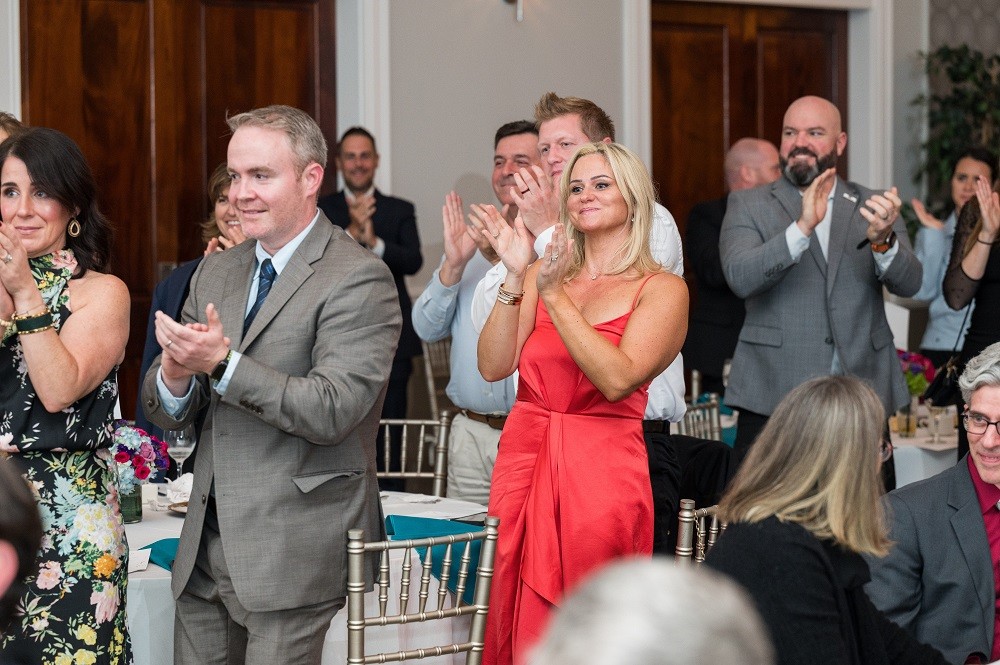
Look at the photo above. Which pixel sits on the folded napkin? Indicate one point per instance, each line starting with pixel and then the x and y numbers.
pixel 179 490
pixel 404 527
pixel 163 552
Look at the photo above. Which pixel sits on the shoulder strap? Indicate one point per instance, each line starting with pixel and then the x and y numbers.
pixel 641 287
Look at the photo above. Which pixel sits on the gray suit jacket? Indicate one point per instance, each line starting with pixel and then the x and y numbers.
pixel 291 445
pixel 937 581
pixel 797 313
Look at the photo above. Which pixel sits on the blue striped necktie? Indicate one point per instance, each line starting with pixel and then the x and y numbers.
pixel 266 279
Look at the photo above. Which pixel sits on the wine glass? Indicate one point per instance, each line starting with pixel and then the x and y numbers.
pixel 180 444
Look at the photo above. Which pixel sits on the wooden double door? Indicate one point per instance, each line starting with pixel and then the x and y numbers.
pixel 144 86
pixel 722 72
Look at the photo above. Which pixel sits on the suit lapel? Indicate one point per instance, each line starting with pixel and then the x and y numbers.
pixel 791 200
pixel 235 294
pixel 845 203
pixel 299 269
pixel 967 523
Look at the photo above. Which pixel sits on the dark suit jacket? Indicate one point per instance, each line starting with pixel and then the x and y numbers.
pixel 718 312
pixel 937 580
pixel 291 444
pixel 168 297
pixel 798 313
pixel 809 592
pixel 395 222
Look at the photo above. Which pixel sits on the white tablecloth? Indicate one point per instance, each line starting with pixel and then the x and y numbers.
pixel 923 455
pixel 150 605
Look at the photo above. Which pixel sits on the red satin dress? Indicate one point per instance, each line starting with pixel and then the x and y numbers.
pixel 570 486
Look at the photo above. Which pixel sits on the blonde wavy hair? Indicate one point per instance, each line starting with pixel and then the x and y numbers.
pixel 815 464
pixel 637 188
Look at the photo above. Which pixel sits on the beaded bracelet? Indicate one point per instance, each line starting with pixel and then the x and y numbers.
pixel 505 297
pixel 33 324
pixel 5 324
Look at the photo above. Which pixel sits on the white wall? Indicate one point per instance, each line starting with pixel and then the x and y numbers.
pixel 10 58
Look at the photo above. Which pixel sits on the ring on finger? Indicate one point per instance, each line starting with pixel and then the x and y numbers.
pixel 523 192
pixel 8 258
pixel 169 342
pixel 884 216
pixel 496 234
pixel 553 258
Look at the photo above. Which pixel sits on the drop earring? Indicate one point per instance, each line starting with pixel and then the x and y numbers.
pixel 73 229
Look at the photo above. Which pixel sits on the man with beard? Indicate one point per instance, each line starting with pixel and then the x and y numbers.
pixel 809 254
pixel 386 226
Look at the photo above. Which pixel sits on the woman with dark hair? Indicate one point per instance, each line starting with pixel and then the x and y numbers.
pixel 65 325
pixel 933 248
pixel 801 511
pixel 973 276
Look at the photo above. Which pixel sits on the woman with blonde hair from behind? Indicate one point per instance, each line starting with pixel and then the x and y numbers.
pixel 800 512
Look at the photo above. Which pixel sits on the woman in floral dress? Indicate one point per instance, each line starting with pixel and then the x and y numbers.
pixel 64 325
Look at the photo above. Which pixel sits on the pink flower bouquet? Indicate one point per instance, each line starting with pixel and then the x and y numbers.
pixel 917 370
pixel 137 455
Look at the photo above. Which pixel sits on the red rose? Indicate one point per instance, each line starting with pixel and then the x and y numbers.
pixel 122 457
pixel 141 472
pixel 138 461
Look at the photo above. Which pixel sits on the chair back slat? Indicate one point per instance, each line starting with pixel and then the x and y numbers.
pixel 437 372
pixel 423 449
pixel 702 420
pixel 357 622
pixel 697 531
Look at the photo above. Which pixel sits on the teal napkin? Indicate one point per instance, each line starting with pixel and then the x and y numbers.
pixel 163 552
pixel 403 527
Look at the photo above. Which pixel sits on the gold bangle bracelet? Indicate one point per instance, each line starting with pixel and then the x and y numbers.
pixel 27 312
pixel 505 297
pixel 36 330
pixel 4 323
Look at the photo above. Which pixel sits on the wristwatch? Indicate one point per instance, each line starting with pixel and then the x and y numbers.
pixel 220 369
pixel 883 247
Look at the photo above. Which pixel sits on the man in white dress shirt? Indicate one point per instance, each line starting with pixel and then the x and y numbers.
pixel 564 123
pixel 444 308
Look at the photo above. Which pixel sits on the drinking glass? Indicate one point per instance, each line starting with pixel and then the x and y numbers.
pixel 180 444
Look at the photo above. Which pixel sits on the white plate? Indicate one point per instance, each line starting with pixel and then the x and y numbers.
pixel 178 508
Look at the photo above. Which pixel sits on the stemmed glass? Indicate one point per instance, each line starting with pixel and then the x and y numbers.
pixel 180 444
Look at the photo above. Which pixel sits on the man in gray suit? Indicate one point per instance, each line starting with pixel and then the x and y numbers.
pixel 813 293
pixel 938 580
pixel 289 340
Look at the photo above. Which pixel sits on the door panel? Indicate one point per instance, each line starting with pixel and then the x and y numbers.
pixel 144 87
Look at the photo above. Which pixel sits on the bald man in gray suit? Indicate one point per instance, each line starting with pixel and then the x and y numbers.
pixel 813 293
pixel 289 340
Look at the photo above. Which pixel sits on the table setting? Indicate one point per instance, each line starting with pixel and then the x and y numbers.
pixel 150 604
pixel 924 440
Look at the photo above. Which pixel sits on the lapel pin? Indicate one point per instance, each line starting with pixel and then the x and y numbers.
pixel 852 199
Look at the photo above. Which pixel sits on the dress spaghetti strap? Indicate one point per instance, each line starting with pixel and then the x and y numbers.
pixel 641 287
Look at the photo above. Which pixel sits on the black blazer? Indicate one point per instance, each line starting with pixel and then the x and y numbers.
pixel 718 313
pixel 810 594
pixel 395 222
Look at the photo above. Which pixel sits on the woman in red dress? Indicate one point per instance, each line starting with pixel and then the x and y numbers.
pixel 588 326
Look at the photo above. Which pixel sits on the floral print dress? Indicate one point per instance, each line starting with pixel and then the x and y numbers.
pixel 73 612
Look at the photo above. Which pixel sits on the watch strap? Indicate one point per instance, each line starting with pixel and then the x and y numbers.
pixel 220 370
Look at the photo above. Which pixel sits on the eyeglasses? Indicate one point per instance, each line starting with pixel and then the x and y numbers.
pixel 885 450
pixel 976 423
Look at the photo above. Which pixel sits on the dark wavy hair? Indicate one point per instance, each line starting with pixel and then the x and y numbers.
pixel 58 168
pixel 21 526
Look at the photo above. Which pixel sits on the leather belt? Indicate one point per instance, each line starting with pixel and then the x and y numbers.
pixel 496 422
pixel 656 426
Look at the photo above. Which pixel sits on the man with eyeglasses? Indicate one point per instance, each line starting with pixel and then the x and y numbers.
pixel 940 579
